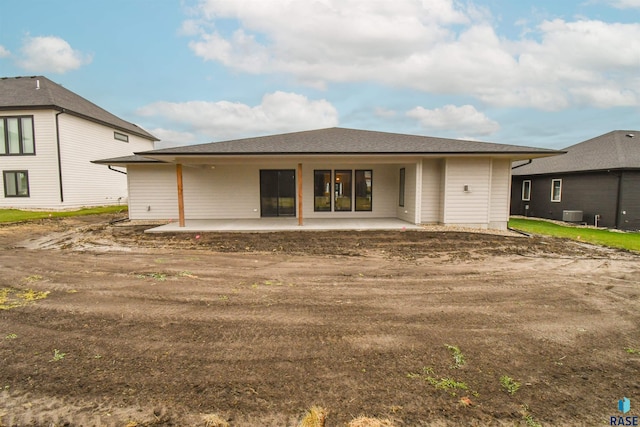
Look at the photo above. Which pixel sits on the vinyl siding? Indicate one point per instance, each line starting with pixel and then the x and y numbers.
pixel 630 201
pixel 408 211
pixel 467 208
pixel 85 183
pixel 431 189
pixel 42 167
pixel 153 192
pixel 228 191
pixel 594 193
pixel 499 200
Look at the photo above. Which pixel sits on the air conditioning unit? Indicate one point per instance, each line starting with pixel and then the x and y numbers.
pixel 572 216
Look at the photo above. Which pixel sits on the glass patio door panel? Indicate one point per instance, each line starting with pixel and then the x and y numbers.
pixel 277 193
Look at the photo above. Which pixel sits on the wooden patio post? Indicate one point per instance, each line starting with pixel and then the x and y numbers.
pixel 180 195
pixel 300 194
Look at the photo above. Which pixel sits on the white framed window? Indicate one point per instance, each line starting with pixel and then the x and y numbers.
pixel 556 190
pixel 526 190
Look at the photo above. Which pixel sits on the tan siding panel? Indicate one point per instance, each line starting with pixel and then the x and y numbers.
pixel 431 188
pixel 407 213
pixel 499 210
pixel 229 191
pixel 471 207
pixel 85 183
pixel 153 192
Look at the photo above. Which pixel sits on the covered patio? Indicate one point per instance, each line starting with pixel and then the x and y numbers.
pixel 284 224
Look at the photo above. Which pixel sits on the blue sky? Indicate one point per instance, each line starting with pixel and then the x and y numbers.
pixel 537 73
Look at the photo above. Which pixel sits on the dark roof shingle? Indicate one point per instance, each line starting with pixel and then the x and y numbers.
pixel 619 149
pixel 346 141
pixel 38 92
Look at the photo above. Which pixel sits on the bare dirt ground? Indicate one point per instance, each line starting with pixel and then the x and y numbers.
pixel 165 330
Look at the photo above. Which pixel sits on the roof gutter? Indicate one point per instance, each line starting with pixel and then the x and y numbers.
pixel 115 170
pixel 59 156
pixel 524 164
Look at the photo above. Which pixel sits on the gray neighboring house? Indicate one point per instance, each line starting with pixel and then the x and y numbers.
pixel 596 181
pixel 48 137
pixel 333 173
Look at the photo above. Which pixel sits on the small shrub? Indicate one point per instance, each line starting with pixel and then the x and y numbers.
pixel 458 357
pixel 57 355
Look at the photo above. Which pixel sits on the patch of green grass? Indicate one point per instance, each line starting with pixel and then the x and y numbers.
pixel 509 384
pixel 57 355
pixel 444 383
pixel 11 337
pixel 631 350
pixel 528 418
pixel 614 239
pixel 458 357
pixel 17 215
pixel 12 298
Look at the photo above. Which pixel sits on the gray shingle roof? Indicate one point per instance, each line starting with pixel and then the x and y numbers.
pixel 346 141
pixel 21 93
pixel 613 150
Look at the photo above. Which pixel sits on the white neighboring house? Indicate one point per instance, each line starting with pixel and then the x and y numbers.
pixel 48 137
pixel 331 173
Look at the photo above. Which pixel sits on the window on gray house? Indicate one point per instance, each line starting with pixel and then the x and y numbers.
pixel 556 190
pixel 526 190
pixel 16 136
pixel 16 183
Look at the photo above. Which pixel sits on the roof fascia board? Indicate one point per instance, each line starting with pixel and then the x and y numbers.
pixel 378 157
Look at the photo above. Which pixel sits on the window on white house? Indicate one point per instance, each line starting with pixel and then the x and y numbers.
pixel 556 190
pixel 342 190
pixel 364 201
pixel 16 136
pixel 16 183
pixel 322 190
pixel 526 190
pixel 121 136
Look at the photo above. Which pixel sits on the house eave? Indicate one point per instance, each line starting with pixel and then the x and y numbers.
pixel 177 157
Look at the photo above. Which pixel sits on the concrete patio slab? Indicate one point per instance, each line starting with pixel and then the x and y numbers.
pixel 283 224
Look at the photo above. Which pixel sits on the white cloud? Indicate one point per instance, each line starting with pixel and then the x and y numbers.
pixel 278 112
pixel 462 120
pixel 172 138
pixel 437 46
pixel 624 4
pixel 4 53
pixel 50 54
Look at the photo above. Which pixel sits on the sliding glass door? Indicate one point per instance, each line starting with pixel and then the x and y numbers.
pixel 277 192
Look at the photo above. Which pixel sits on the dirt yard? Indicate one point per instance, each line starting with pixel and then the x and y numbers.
pixel 103 325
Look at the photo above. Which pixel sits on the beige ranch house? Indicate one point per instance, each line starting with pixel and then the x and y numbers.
pixel 333 173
